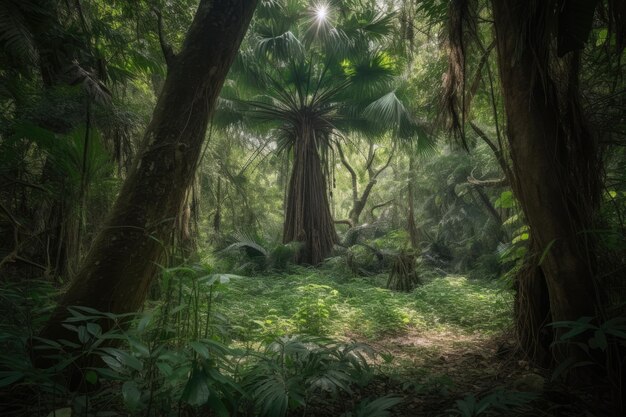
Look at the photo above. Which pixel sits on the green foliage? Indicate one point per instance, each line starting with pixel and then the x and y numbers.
pixel 460 299
pixel 377 407
pixel 252 254
pixel 501 400
pixel 425 383
pixel 336 305
pixel 296 368
pixel 608 336
pixel 144 369
pixel 314 308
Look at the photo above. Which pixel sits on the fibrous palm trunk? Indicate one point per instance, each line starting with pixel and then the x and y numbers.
pixel 307 218
pixel 120 265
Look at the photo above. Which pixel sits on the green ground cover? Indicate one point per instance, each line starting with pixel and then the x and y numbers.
pixel 327 304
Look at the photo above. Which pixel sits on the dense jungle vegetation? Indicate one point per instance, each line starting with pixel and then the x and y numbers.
pixel 357 208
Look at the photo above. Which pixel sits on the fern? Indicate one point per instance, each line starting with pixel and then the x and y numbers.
pixel 378 407
pixel 296 368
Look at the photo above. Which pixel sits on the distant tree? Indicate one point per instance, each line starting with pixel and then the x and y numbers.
pixel 359 200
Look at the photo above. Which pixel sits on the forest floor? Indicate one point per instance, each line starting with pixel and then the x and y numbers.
pixel 442 348
pixel 445 349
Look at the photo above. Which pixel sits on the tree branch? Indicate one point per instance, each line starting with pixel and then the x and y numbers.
pixel 496 182
pixel 497 151
pixel 371 154
pixel 490 208
pixel 384 167
pixel 10 216
pixel 168 52
pixel 353 176
pixel 478 76
pixel 344 221
pixel 377 206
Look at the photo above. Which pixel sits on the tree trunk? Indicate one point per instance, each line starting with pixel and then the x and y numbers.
pixel 118 269
pixel 308 219
pixel 553 153
pixel 532 310
pixel 411 226
pixel 217 217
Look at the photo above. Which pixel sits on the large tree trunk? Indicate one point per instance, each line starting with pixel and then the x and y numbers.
pixel 118 269
pixel 307 218
pixel 554 156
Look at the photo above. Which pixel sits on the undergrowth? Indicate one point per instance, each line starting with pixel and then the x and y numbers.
pixel 261 345
pixel 323 303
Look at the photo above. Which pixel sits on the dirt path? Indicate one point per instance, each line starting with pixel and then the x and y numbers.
pixel 430 371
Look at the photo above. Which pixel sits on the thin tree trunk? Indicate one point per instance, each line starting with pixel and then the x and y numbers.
pixel 217 217
pixel 119 268
pixel 411 227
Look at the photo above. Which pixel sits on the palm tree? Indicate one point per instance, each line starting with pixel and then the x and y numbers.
pixel 313 75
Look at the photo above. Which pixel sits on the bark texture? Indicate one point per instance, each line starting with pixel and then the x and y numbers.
pixel 307 218
pixel 120 265
pixel 554 157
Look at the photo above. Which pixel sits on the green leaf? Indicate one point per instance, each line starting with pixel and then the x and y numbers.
pixel 165 368
pixel 91 377
pixel 506 200
pixel 143 323
pixel 122 357
pixel 217 406
pixel 200 348
pixel 83 336
pixel 94 329
pixel 10 378
pixel 138 346
pixel 378 407
pixel 561 368
pixel 196 392
pixel 598 341
pixel 131 395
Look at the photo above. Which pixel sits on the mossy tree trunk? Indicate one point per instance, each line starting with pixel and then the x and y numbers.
pixel 120 265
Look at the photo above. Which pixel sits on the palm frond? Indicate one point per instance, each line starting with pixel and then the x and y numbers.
pixel 388 110
pixel 370 74
pixel 16 37
pixel 370 24
pixel 94 87
pixel 248 243
pixel 283 46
